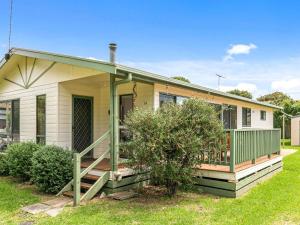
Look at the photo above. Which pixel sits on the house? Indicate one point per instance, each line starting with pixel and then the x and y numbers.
pixel 78 103
pixel 295 130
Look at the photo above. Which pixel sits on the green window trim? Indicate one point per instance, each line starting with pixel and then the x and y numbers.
pixel 41 119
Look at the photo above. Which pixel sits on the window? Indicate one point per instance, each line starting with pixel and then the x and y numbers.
pixel 41 119
pixel 10 120
pixel 180 100
pixel 263 115
pixel 165 98
pixel 126 105
pixel 246 117
pixel 15 121
pixel 218 109
pixel 229 116
pixel 168 98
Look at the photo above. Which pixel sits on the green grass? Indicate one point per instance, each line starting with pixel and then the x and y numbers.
pixel 276 201
pixel 13 196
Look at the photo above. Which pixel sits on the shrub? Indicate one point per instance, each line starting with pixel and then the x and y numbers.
pixel 51 168
pixel 170 140
pixel 19 159
pixel 4 169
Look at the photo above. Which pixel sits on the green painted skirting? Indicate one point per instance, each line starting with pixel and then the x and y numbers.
pixel 128 180
pixel 236 189
pixel 126 187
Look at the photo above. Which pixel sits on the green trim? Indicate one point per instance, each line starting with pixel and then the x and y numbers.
pixel 121 70
pixel 96 187
pixel 165 80
pixel 128 180
pixel 126 187
pixel 66 59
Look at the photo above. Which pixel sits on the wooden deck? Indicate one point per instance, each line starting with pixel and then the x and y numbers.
pixel 104 165
pixel 239 167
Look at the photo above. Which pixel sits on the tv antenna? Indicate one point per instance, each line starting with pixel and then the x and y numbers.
pixel 219 80
pixel 10 24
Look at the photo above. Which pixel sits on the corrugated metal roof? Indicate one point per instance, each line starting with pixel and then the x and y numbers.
pixel 115 68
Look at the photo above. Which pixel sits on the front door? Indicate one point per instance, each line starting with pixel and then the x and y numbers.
pixel 82 123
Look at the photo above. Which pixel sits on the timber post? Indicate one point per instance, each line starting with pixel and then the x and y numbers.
pixel 232 150
pixel 76 187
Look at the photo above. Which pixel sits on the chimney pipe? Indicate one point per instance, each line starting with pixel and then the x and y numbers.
pixel 112 52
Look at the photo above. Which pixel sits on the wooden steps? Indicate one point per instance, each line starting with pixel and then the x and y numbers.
pixel 85 186
pixel 91 177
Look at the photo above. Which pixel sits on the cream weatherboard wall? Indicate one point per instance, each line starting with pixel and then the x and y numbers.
pixel 256 122
pixel 98 88
pixel 47 84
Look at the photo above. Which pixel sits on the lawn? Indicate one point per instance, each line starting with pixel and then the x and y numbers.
pixel 276 201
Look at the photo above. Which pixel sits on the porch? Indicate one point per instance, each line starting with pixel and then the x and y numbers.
pixel 220 172
pixel 250 156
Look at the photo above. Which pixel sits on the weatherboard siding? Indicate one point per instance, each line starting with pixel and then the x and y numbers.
pixel 255 114
pixel 99 90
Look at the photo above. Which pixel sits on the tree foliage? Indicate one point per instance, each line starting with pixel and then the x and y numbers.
pixel 170 140
pixel 276 98
pixel 242 93
pixel 181 78
pixel 289 105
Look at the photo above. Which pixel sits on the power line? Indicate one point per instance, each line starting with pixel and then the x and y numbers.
pixel 10 23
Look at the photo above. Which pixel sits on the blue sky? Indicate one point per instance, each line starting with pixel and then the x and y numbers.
pixel 254 44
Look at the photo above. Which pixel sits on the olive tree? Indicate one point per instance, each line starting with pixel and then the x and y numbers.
pixel 170 139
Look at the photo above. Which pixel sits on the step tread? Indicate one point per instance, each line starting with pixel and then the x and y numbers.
pixel 91 177
pixel 85 185
pixel 70 194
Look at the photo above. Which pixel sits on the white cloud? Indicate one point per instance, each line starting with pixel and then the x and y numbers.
pixel 287 85
pixel 239 49
pixel 241 86
pixel 91 57
pixel 263 76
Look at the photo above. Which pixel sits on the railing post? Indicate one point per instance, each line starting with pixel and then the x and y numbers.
pixel 76 177
pixel 232 150
pixel 112 120
pixel 271 147
pixel 255 146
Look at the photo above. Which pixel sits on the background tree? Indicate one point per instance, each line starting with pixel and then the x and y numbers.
pixel 170 139
pixel 181 78
pixel 289 105
pixel 242 93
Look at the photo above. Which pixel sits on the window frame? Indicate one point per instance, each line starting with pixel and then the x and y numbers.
pixel 39 136
pixel 263 115
pixel 120 104
pixel 174 96
pixel 10 133
pixel 232 113
pixel 248 113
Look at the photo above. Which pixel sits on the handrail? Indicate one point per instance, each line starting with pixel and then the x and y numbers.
pixel 89 148
pixel 95 163
pixel 78 174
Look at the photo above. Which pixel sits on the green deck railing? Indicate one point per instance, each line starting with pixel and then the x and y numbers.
pixel 242 145
pixel 250 144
